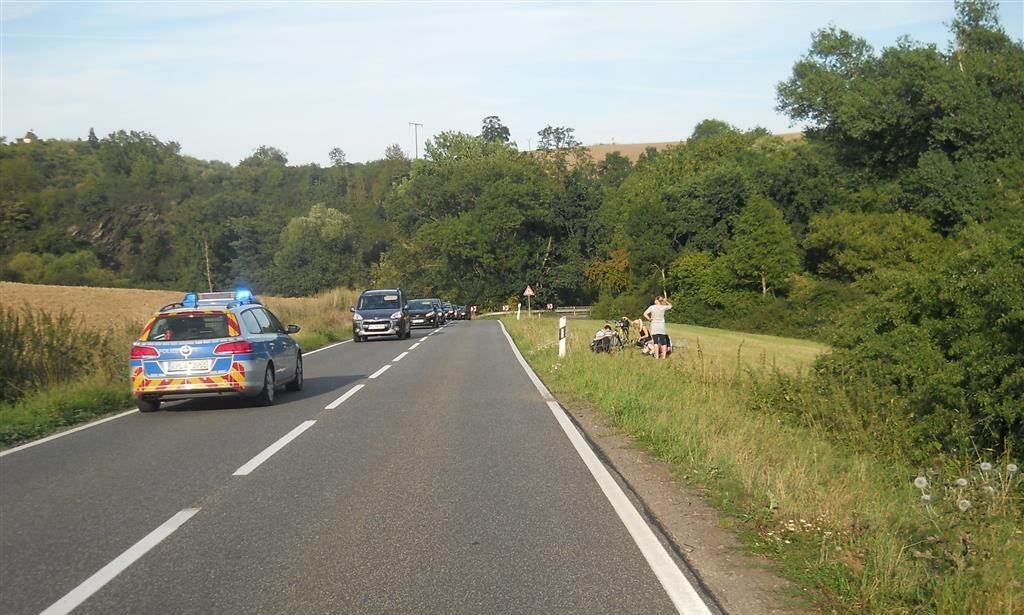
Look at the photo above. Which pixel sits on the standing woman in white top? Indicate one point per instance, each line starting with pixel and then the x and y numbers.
pixel 656 314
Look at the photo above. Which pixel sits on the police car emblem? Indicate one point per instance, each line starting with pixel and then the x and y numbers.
pixel 185 350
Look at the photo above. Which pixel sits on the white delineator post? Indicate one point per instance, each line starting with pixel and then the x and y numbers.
pixel 519 308
pixel 561 336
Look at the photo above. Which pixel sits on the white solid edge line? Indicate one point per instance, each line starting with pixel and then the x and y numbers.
pixel 400 357
pixel 111 418
pixel 413 347
pixel 676 585
pixel 326 348
pixel 66 433
pixel 106 574
pixel 273 448
pixel 380 371
pixel 349 393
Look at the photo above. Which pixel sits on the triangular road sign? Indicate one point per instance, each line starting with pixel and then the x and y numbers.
pixel 528 292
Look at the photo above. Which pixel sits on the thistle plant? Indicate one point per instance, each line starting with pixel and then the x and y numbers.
pixel 957 505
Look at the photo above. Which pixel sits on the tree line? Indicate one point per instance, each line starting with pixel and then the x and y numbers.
pixel 894 228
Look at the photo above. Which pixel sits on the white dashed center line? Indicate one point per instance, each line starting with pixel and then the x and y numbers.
pixel 413 347
pixel 380 371
pixel 349 393
pixel 400 357
pixel 273 448
pixel 106 574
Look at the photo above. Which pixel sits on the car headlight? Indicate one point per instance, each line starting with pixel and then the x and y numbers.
pixel 396 315
pixel 357 317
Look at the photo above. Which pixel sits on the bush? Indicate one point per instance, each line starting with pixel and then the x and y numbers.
pixel 43 349
pixel 946 337
pixel 613 306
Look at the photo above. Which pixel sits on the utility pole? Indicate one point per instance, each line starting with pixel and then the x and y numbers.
pixel 416 138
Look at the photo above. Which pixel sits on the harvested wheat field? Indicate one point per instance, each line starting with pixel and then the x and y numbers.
pixel 97 308
pixel 94 307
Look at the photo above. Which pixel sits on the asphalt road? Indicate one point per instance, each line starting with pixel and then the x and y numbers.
pixel 445 483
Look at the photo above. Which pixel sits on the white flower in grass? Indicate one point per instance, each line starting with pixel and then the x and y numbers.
pixel 985 466
pixel 926 499
pixel 989 489
pixel 1011 468
pixel 961 482
pixel 963 505
pixel 920 482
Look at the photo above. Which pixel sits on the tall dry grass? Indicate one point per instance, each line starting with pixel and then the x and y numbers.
pixel 838 514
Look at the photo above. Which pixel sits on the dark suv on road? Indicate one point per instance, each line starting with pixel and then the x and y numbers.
pixel 380 312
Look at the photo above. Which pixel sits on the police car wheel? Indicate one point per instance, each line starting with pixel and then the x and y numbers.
pixel 147 404
pixel 266 396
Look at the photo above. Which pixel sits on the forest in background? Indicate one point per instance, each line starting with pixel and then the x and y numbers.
pixel 894 229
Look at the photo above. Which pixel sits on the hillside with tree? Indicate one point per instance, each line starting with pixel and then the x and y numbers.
pixel 894 229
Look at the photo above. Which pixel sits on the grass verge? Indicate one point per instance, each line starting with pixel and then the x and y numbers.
pixel 838 511
pixel 66 370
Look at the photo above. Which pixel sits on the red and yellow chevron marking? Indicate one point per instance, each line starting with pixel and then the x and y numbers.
pixel 234 379
pixel 138 377
pixel 233 329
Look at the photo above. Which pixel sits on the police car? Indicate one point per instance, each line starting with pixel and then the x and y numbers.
pixel 214 345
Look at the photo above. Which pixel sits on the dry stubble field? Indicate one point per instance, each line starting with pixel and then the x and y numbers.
pixel 99 308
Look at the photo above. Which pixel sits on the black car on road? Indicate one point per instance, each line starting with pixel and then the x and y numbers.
pixel 423 313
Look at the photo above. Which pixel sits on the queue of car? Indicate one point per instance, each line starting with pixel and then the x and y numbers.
pixel 225 344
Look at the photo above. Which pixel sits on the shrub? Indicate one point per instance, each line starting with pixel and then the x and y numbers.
pixel 946 337
pixel 42 349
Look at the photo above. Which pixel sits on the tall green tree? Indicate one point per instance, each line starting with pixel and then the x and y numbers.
pixel 762 249
pixel 316 252
pixel 493 130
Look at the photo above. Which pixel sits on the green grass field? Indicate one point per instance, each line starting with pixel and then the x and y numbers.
pixel 800 471
pixel 720 349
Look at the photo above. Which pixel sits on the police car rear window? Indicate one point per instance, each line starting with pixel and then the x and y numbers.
pixel 174 328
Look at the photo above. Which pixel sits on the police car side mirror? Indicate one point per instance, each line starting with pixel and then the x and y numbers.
pixel 293 329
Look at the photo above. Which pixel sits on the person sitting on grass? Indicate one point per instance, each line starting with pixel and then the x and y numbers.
pixel 602 339
pixel 644 341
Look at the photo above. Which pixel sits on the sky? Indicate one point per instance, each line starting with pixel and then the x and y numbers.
pixel 223 78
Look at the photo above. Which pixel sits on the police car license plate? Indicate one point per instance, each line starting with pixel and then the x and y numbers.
pixel 197 365
pixel 376 327
pixel 417 321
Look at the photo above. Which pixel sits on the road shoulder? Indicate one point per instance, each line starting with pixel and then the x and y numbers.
pixel 743 584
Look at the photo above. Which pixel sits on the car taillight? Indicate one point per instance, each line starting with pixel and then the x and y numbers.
pixel 242 347
pixel 144 352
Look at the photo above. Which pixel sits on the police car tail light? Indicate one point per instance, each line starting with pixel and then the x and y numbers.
pixel 144 352
pixel 242 347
